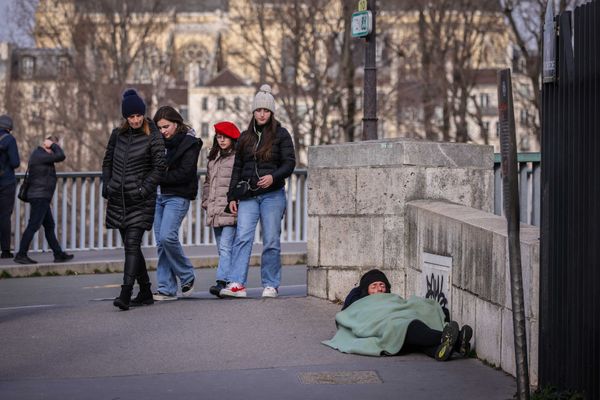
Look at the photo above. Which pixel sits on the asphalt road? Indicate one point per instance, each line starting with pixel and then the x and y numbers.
pixel 63 339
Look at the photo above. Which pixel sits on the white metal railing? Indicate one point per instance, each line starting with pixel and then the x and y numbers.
pixel 78 209
pixel 530 195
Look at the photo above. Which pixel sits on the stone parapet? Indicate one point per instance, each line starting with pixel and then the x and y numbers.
pixel 477 245
pixel 357 196
pixel 420 212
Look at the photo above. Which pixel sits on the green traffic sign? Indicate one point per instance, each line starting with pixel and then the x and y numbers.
pixel 362 23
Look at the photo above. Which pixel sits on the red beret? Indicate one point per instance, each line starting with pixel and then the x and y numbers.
pixel 228 129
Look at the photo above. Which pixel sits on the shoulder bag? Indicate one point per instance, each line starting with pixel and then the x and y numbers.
pixel 24 188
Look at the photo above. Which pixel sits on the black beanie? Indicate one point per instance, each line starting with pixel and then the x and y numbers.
pixel 132 104
pixel 373 275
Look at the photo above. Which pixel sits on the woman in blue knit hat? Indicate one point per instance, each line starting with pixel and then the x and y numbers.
pixel 133 165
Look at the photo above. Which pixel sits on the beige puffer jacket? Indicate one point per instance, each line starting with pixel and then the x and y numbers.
pixel 214 191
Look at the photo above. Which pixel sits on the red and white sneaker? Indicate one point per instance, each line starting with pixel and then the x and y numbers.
pixel 233 289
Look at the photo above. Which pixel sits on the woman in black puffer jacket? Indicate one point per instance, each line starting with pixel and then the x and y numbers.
pixel 265 158
pixel 133 165
pixel 177 188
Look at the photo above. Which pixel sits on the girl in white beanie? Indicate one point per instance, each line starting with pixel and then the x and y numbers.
pixel 264 160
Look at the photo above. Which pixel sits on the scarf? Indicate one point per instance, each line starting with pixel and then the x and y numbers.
pixel 171 145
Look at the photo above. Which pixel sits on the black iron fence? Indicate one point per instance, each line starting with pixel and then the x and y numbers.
pixel 569 340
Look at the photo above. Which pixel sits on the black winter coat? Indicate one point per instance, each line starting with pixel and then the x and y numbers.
pixel 42 173
pixel 280 166
pixel 133 165
pixel 181 177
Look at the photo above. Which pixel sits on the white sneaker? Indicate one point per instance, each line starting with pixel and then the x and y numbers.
pixel 269 291
pixel 158 296
pixel 233 289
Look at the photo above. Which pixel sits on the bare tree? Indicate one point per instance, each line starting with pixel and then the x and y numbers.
pixel 526 19
pixel 438 61
pixel 102 46
pixel 305 53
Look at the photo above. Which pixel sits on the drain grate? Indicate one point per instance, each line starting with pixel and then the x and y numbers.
pixel 339 378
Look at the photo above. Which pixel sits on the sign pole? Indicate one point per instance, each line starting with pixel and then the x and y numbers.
pixel 370 80
pixel 508 149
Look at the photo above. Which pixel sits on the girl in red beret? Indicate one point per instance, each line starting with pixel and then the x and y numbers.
pixel 214 197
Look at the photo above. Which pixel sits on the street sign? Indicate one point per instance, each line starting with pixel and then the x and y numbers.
pixel 362 5
pixel 362 23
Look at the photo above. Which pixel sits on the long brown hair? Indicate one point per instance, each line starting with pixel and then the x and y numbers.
pixel 249 140
pixel 170 114
pixel 145 127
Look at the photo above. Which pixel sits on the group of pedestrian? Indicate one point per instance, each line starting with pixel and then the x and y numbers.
pixel 38 188
pixel 149 175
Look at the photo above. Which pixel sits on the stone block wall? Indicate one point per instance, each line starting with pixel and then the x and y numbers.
pixel 477 244
pixel 357 196
pixel 422 213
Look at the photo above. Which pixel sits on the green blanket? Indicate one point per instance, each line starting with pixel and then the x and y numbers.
pixel 376 325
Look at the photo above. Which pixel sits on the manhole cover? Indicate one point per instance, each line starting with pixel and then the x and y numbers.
pixel 339 378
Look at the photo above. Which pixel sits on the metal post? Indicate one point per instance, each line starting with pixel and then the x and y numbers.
pixel 508 146
pixel 370 80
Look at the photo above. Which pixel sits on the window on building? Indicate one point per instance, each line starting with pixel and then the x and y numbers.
pixel 484 100
pixel 204 130
pixel 524 117
pixel 62 65
pixel 205 103
pixel 37 93
pixel 497 128
pixel 485 127
pixel 28 66
pixel 183 110
pixel 237 103
pixel 221 103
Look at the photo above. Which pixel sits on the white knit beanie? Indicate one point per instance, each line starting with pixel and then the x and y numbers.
pixel 264 99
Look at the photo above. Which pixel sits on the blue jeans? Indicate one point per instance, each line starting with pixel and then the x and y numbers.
pixel 224 235
pixel 269 209
pixel 172 262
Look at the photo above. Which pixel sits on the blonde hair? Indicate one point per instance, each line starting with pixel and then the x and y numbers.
pixel 126 126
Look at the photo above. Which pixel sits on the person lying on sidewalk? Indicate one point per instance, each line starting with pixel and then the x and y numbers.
pixel 376 322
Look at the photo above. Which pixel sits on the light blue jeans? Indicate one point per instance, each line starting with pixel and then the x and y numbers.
pixel 224 235
pixel 172 262
pixel 269 209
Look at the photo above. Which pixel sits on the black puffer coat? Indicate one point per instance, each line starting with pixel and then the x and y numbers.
pixel 280 166
pixel 181 177
pixel 134 164
pixel 41 172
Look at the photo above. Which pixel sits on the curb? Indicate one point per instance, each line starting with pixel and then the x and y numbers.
pixel 116 265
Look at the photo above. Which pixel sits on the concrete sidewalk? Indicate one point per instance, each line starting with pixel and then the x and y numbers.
pixel 111 260
pixel 80 347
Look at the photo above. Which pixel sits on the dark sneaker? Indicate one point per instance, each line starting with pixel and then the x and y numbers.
pixel 216 289
pixel 463 344
pixel 63 257
pixel 449 337
pixel 187 288
pixel 23 259
pixel 6 254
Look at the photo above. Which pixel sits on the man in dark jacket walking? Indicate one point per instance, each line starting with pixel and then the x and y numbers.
pixel 9 161
pixel 42 183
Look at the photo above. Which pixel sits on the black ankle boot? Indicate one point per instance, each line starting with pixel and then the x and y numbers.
pixel 144 297
pixel 124 298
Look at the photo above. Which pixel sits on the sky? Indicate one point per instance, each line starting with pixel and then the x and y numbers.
pixel 10 30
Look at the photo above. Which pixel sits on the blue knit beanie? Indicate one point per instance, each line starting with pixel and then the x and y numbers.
pixel 132 104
